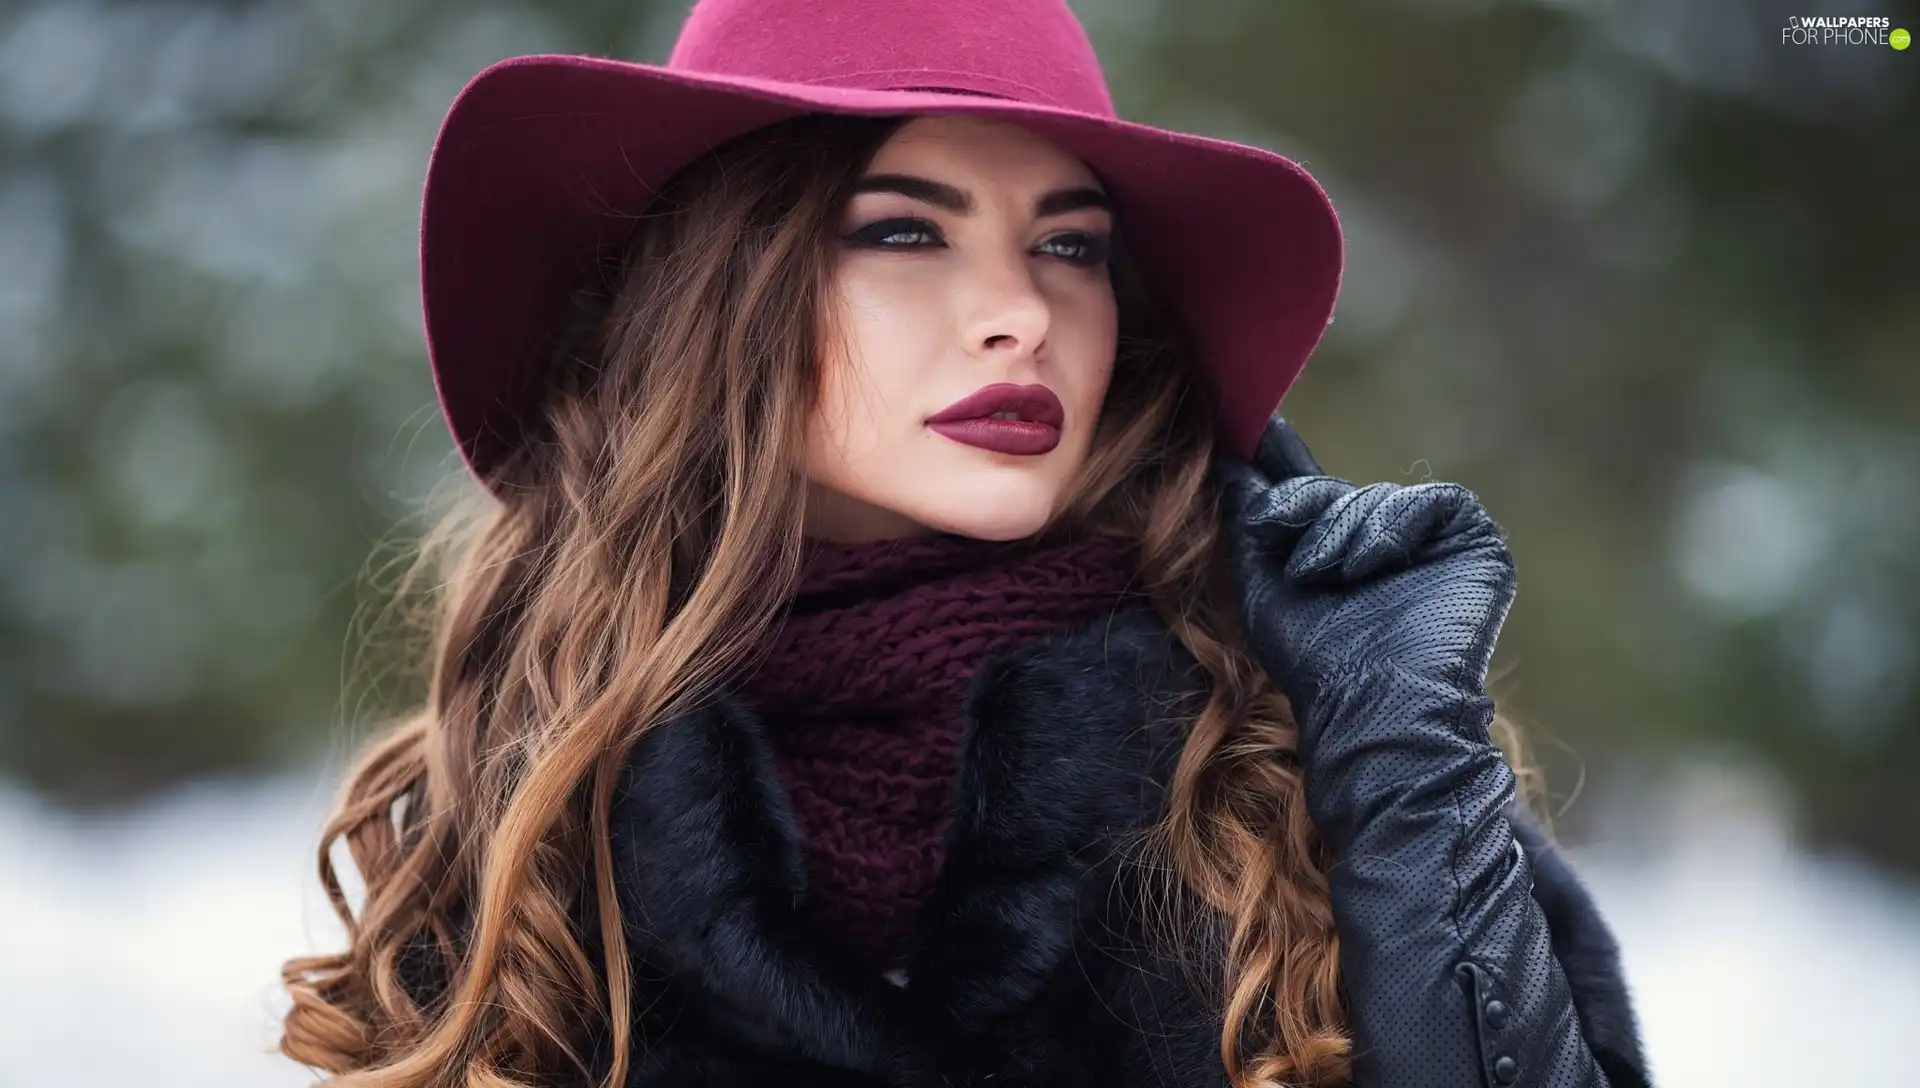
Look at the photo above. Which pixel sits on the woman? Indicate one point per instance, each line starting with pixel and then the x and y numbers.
pixel 876 663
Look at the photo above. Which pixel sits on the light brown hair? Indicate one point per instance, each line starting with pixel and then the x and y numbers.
pixel 625 569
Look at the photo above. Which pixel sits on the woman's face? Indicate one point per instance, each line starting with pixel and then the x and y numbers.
pixel 973 255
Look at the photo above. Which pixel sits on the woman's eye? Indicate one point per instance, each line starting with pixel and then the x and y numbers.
pixel 1082 249
pixel 896 234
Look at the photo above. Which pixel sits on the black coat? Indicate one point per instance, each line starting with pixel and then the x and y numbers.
pixel 1030 963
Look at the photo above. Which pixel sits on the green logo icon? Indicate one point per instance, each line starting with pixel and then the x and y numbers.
pixel 1899 39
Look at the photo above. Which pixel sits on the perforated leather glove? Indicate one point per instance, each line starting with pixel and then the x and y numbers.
pixel 1375 610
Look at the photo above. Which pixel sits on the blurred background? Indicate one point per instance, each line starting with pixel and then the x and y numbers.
pixel 1639 273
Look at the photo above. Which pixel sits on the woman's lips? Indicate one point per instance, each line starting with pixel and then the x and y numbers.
pixel 1002 435
pixel 970 420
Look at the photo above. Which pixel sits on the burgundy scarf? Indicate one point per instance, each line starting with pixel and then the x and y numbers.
pixel 863 694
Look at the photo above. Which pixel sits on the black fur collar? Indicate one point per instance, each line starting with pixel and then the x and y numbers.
pixel 1069 741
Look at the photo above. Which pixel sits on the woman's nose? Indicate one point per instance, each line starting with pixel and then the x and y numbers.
pixel 1010 312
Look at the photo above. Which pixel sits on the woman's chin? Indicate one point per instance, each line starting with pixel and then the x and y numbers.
pixel 995 505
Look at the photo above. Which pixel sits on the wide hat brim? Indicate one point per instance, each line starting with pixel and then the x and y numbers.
pixel 543 162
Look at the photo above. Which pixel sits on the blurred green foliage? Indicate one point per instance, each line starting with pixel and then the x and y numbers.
pixel 1636 272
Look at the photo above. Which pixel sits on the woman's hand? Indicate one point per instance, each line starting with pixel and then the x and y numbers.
pixel 1339 581
pixel 1374 610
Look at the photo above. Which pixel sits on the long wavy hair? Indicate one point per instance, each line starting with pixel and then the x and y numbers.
pixel 623 568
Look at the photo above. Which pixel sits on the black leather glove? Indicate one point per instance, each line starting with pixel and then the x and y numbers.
pixel 1375 610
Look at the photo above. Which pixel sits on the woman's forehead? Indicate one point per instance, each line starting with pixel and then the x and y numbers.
pixel 992 149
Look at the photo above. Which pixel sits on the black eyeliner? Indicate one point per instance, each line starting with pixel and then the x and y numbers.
pixel 1099 244
pixel 872 232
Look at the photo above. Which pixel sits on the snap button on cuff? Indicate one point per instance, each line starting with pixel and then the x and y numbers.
pixel 1506 1070
pixel 1496 1014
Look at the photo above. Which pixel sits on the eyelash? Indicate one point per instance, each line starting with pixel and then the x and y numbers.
pixel 1094 245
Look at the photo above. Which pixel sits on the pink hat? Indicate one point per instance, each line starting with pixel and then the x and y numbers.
pixel 542 160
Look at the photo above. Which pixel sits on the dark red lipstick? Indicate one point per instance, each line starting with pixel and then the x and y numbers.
pixel 1004 418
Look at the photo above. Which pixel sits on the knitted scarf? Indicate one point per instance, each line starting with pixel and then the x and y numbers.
pixel 863 694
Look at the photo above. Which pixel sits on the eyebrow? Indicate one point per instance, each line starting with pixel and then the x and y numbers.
pixel 960 202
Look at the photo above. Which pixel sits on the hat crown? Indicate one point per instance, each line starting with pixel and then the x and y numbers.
pixel 1032 51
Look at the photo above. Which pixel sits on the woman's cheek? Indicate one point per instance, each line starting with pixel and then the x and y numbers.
pixel 869 395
